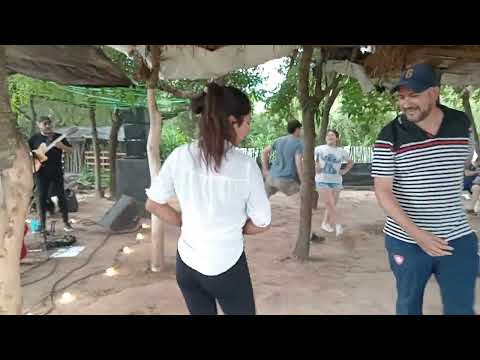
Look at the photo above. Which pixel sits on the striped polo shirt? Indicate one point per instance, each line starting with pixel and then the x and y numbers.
pixel 427 173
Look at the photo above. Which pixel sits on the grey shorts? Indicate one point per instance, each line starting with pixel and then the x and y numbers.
pixel 287 187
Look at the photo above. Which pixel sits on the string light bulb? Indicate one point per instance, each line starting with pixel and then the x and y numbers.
pixel 145 226
pixel 67 298
pixel 140 236
pixel 111 271
pixel 126 250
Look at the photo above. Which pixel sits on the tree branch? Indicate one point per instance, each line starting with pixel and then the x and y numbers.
pixel 304 74
pixel 334 85
pixel 164 86
pixel 292 60
pixel 24 114
pixel 319 93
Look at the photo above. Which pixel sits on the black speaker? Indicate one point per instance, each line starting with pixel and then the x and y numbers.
pixel 122 216
pixel 133 177
pixel 136 148
pixel 72 202
pixel 135 131
pixel 137 115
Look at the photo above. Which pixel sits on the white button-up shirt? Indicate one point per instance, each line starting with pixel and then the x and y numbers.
pixel 215 205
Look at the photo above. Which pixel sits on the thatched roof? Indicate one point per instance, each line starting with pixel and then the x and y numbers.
pixel 82 65
pixel 458 64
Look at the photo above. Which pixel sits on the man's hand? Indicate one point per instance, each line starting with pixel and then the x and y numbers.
pixel 432 245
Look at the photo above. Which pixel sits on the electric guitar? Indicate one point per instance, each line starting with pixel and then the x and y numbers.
pixel 41 151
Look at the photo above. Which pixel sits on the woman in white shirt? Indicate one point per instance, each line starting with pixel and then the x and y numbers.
pixel 328 178
pixel 222 197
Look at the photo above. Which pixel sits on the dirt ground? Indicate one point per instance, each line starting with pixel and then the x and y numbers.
pixel 348 275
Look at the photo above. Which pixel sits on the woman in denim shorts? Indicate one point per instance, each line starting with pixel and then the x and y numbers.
pixel 328 178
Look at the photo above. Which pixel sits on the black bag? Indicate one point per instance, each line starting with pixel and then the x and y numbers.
pixel 72 203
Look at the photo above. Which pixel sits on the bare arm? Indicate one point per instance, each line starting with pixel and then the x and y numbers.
pixel 299 164
pixel 164 212
pixel 471 172
pixel 430 243
pixel 64 147
pixel 347 168
pixel 251 229
pixel 265 156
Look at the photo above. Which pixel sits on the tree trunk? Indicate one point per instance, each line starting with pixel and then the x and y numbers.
pixel 302 248
pixel 157 235
pixel 16 183
pixel 96 151
pixel 308 104
pixel 33 119
pixel 468 111
pixel 116 124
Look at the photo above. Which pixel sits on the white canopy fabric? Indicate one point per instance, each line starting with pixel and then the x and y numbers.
pixel 194 62
pixel 353 70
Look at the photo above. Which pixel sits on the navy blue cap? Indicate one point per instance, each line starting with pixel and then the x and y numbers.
pixel 418 78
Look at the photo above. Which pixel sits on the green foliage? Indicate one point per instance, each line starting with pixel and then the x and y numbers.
pixel 264 129
pixel 451 97
pixel 362 116
pixel 172 137
pixel 127 64
pixel 283 102
pixel 87 177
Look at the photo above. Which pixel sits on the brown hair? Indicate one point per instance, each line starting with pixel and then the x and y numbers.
pixel 215 107
pixel 335 132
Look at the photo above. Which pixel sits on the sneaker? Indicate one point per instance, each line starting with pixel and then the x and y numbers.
pixel 339 229
pixel 316 238
pixel 68 228
pixel 327 227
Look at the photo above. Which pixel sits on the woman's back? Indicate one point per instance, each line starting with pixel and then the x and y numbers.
pixel 215 204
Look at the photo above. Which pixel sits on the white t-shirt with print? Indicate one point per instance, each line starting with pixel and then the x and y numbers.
pixel 330 159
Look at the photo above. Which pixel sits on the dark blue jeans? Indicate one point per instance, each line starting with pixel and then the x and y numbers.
pixel 456 275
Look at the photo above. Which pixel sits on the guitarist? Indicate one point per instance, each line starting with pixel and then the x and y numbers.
pixel 51 171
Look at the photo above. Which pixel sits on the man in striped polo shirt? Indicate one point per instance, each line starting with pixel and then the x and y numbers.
pixel 418 167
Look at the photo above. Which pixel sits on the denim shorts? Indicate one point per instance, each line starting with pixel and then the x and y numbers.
pixel 324 185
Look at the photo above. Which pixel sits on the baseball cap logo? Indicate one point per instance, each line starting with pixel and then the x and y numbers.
pixel 408 73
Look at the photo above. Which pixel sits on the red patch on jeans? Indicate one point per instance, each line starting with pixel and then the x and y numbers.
pixel 398 259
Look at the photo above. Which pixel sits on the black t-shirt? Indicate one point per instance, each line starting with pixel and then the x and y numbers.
pixel 53 166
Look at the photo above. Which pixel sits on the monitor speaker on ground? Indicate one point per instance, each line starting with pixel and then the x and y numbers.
pixel 123 215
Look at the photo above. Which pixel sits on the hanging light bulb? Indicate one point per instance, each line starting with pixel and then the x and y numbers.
pixel 111 271
pixel 145 226
pixel 140 236
pixel 67 298
pixel 126 250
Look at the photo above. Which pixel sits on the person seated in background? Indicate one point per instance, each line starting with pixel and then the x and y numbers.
pixel 471 183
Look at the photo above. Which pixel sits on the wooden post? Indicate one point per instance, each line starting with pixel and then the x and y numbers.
pixel 157 234
pixel 112 156
pixel 96 151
